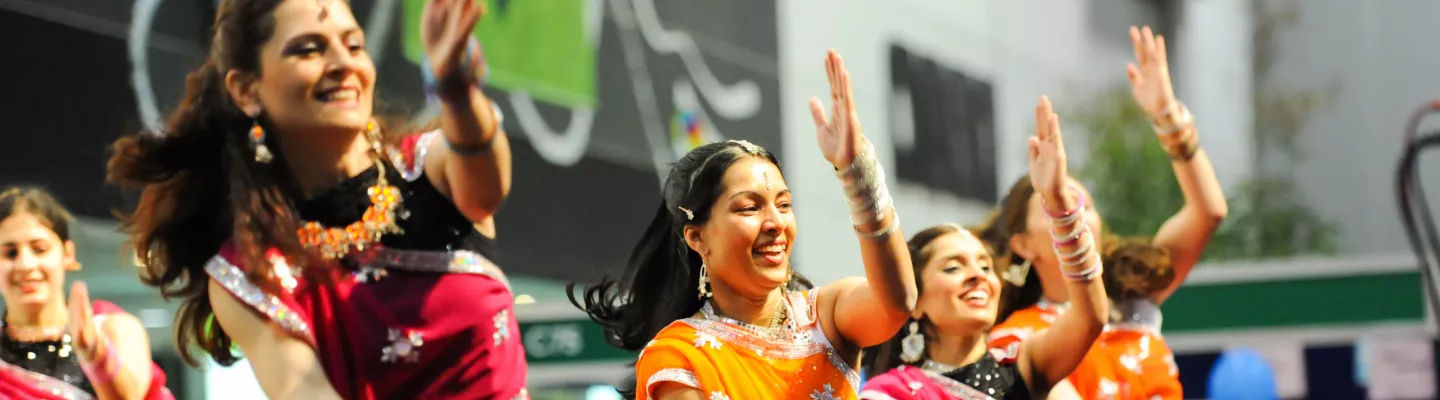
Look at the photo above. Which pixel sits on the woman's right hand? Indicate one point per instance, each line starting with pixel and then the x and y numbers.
pixel 1048 171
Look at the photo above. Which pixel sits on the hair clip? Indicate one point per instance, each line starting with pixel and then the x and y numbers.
pixel 747 146
pixel 689 215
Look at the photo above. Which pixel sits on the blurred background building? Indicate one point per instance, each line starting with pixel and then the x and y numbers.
pixel 1301 104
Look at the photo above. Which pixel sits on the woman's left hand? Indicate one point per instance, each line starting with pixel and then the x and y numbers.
pixel 83 332
pixel 1150 79
pixel 446 28
pixel 839 136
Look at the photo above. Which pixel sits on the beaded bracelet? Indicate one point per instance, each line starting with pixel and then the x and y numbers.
pixel 1087 274
pixel 1085 246
pixel 1067 216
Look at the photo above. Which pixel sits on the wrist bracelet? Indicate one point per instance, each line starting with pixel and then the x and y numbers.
pixel 883 231
pixel 479 148
pixel 1067 216
pixel 1173 121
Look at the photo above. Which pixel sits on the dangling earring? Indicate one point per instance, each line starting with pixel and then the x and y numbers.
pixel 257 141
pixel 704 279
pixel 1016 273
pixel 912 346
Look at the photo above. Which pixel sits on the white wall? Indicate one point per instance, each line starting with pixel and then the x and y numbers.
pixel 1024 48
pixel 1383 56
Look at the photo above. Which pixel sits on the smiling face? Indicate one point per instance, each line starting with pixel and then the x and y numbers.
pixel 33 260
pixel 746 242
pixel 314 76
pixel 961 291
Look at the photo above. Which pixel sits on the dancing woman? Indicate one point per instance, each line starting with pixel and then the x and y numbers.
pixel 710 298
pixel 943 353
pixel 341 267
pixel 50 349
pixel 1035 297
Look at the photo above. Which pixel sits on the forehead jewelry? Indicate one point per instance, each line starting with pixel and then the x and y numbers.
pixel 747 146
pixel 767 180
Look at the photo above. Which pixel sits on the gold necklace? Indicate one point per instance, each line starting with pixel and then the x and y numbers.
pixel 378 219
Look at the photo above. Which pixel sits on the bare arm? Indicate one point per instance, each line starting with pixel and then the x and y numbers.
pixel 286 367
pixel 1063 391
pixel 131 345
pixel 1188 232
pixel 868 311
pixel 472 164
pixel 1050 356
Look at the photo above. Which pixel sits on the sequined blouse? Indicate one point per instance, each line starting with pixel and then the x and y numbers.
pixel 50 369
pixel 425 315
pixel 730 360
pixel 52 358
pixel 995 376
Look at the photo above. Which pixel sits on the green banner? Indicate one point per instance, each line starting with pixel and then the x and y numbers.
pixel 1345 300
pixel 540 47
pixel 567 341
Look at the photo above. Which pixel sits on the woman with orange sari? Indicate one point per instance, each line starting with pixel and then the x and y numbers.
pixel 710 299
pixel 1036 297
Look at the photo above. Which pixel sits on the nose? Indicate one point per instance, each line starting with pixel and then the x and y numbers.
pixel 774 221
pixel 341 61
pixel 26 261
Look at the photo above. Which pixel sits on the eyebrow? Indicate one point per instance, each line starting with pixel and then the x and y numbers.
pixel 317 34
pixel 784 191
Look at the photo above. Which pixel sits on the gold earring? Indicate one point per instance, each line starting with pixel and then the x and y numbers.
pixel 257 141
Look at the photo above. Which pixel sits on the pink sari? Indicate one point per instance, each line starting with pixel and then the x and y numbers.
pixel 911 383
pixel 20 383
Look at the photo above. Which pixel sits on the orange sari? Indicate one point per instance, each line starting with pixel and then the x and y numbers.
pixel 1130 360
pixel 730 360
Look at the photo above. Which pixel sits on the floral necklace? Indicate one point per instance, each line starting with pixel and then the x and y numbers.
pixel 378 220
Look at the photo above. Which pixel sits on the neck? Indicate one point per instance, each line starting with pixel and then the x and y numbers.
pixel 50 315
pixel 317 164
pixel 956 350
pixel 1054 284
pixel 754 310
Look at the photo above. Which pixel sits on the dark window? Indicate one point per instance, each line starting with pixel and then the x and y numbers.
pixel 947 142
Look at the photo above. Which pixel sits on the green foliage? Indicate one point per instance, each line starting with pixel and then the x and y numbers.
pixel 1267 221
pixel 1126 170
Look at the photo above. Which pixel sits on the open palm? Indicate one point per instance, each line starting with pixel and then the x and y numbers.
pixel 1150 73
pixel 445 31
pixel 83 331
pixel 1048 171
pixel 839 134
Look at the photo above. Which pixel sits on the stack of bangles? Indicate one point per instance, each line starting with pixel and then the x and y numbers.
pixel 1082 257
pixel 865 190
pixel 1176 129
pixel 103 369
pixel 474 51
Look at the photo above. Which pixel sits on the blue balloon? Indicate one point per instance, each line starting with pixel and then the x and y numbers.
pixel 1242 374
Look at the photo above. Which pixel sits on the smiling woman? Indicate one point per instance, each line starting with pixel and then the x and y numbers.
pixel 319 237
pixel 47 352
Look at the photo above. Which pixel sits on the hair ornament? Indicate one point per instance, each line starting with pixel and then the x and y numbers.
pixel 747 146
pixel 689 215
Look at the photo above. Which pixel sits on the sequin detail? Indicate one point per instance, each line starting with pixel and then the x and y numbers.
pixel 233 280
pixel 828 394
pixel 703 339
pixel 800 346
pixel 502 327
pixel 404 346
pixel 439 262
pixel 416 167
pixel 677 375
pixel 874 395
pixel 957 389
pixel 45 382
pixel 716 395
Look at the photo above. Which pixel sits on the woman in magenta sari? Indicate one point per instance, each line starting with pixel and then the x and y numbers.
pixel 943 352
pixel 341 264
pixel 50 349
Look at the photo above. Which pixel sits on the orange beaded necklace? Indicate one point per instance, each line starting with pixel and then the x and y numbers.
pixel 378 220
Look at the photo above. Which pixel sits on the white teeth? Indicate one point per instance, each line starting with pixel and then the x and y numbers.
pixel 346 94
pixel 774 248
pixel 977 295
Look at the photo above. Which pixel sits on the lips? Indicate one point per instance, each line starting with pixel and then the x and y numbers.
pixel 772 252
pixel 977 297
pixel 339 94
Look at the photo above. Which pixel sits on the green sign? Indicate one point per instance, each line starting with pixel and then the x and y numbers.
pixel 543 48
pixel 1344 300
pixel 565 341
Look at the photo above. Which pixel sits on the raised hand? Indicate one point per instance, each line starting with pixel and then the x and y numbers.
pixel 445 30
pixel 83 332
pixel 1150 79
pixel 1048 172
pixel 839 136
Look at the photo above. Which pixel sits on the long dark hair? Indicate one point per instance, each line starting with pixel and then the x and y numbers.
pixel 659 282
pixel 202 187
pixel 884 357
pixel 1011 220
